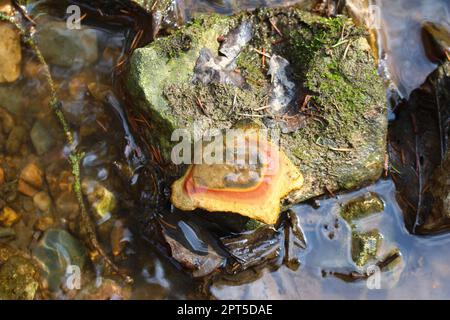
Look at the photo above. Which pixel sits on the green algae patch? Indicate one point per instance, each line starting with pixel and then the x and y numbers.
pixel 365 246
pixel 362 207
pixel 341 137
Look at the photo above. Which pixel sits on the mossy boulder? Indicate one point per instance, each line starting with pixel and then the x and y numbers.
pixel 339 138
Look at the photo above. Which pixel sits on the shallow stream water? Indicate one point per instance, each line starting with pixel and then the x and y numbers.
pixel 114 160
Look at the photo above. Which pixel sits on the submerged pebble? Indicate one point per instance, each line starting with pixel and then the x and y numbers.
pixel 15 139
pixel 7 233
pixel 56 251
pixel 2 176
pixel 31 180
pixel 10 48
pixel 42 140
pixel 7 121
pixel 8 217
pixel 102 200
pixel 44 223
pixel 19 279
pixel 363 206
pixel 32 175
pixel 42 201
pixel 80 46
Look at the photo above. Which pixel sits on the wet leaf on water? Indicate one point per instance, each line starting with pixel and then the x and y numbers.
pixel 418 143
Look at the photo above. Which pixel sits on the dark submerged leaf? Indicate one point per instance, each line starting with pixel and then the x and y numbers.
pixel 418 143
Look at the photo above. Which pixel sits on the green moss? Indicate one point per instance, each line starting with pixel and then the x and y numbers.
pixel 362 207
pixel 251 68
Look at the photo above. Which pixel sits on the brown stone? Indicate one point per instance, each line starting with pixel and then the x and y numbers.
pixel 10 53
pixel 26 189
pixel 32 175
pixel 6 7
pixel 8 217
pixel 32 69
pixel 7 121
pixel 42 201
pixel 44 223
pixel 2 176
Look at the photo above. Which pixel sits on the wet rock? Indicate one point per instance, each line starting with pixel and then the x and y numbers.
pixel 42 139
pixel 10 49
pixel 101 199
pixel 6 7
pixel 42 201
pixel 31 180
pixel 56 251
pixel 26 189
pixel 199 264
pixel 365 246
pixel 44 223
pixel 2 176
pixel 67 204
pixel 15 140
pixel 32 175
pixel 6 252
pixel 365 240
pixel 8 217
pixel 341 146
pixel 12 99
pixel 7 121
pixel 166 14
pixel 58 178
pixel 254 190
pixel 19 276
pixel 253 247
pixel 366 205
pixel 19 279
pixel 284 90
pixel 65 47
pixel 440 186
pixel 28 205
pixel 32 69
pixel 7 233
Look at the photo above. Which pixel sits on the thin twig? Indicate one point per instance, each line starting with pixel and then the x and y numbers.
pixel 262 53
pixel 23 12
pixel 276 28
pixel 346 50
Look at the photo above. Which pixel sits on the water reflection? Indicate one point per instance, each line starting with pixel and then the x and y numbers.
pixel 423 275
pixel 400 39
